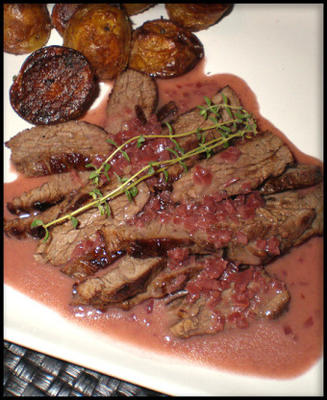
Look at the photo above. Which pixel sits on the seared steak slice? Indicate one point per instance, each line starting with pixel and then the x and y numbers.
pixel 154 239
pixel 21 227
pixel 251 229
pixel 73 199
pixel 233 301
pixel 239 169
pixel 44 150
pixel 126 278
pixel 312 198
pixel 296 177
pixel 64 238
pixel 97 258
pixel 169 281
pixel 48 194
pixel 191 121
pixel 132 91
pixel 291 218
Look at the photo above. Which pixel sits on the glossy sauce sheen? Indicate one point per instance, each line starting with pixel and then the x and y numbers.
pixel 281 348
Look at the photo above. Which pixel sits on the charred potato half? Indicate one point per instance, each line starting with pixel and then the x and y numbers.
pixel 61 14
pixel 55 84
pixel 162 49
pixel 101 32
pixel 27 27
pixel 196 17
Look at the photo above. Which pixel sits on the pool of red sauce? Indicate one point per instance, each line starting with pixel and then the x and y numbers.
pixel 282 348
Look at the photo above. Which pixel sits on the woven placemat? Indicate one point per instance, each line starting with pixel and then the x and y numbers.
pixel 29 373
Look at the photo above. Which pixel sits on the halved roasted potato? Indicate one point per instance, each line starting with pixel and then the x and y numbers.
pixel 55 84
pixel 26 27
pixel 196 17
pixel 101 32
pixel 162 49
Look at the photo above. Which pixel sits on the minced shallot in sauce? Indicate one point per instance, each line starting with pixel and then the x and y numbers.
pixel 279 348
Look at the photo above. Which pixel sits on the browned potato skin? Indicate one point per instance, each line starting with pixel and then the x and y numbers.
pixel 61 14
pixel 55 84
pixel 136 8
pixel 196 17
pixel 162 49
pixel 103 34
pixel 27 27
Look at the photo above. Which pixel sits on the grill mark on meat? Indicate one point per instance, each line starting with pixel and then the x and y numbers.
pixel 140 115
pixel 167 111
pixel 237 299
pixel 132 91
pixel 128 277
pixel 259 158
pixel 45 150
pixel 299 176
pixel 21 227
pixel 48 194
pixel 97 258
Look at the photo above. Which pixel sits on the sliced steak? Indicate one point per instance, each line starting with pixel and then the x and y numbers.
pixel 299 176
pixel 170 282
pixel 44 150
pixel 193 121
pixel 253 230
pixel 291 218
pixel 97 258
pixel 132 91
pixel 20 227
pixel 70 201
pixel 239 169
pixel 48 194
pixel 128 277
pixel 234 300
pixel 65 238
pixel 154 239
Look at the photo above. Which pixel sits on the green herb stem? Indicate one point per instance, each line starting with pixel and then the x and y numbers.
pixel 126 184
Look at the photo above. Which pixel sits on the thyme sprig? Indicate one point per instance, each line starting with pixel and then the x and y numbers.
pixel 128 185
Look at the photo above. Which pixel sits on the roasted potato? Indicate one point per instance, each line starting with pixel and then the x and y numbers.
pixel 162 49
pixel 136 8
pixel 27 27
pixel 55 84
pixel 196 17
pixel 101 32
pixel 61 14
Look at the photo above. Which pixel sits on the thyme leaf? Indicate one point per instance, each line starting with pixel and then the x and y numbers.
pixel 140 141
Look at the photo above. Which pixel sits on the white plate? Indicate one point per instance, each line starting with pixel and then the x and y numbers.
pixel 277 50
